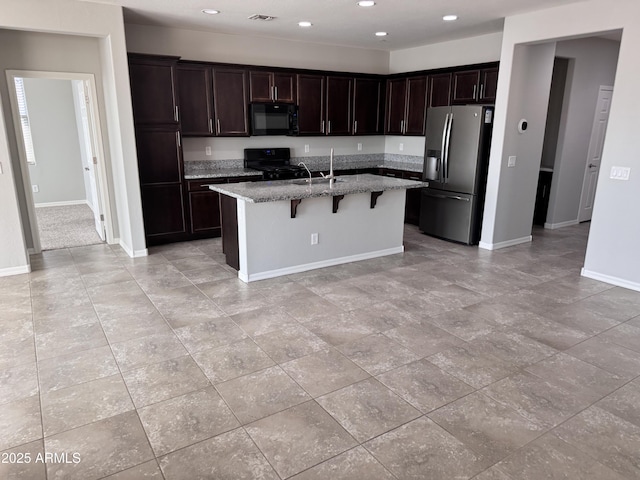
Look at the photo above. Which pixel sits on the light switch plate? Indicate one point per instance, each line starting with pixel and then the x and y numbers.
pixel 401 147
pixel 207 151
pixel 620 173
pixel 512 161
pixel 306 149
pixel 359 147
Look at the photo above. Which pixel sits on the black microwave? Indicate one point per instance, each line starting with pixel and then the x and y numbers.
pixel 274 119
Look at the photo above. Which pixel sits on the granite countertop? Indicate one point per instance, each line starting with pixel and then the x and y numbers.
pixel 195 170
pixel 279 190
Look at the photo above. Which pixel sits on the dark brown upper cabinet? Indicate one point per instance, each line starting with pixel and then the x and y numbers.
pixel 488 85
pixel 310 100
pixel 439 90
pixel 230 102
pixel 406 105
pixel 368 108
pixel 474 86
pixel 152 90
pixel 195 97
pixel 267 87
pixel 339 91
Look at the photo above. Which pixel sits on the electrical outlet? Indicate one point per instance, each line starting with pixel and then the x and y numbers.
pixel 359 147
pixel 401 147
pixel 620 173
pixel 306 149
pixel 512 161
pixel 314 239
pixel 207 151
pixel 35 188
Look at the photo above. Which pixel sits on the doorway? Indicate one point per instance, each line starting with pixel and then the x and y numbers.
pixel 61 158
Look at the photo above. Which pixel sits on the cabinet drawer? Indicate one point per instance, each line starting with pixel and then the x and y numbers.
pixel 412 176
pixel 199 185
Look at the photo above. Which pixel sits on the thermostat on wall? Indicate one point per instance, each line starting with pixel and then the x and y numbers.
pixel 522 125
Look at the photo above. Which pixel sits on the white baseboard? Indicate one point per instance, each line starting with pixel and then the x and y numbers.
pixel 132 253
pixel 505 244
pixel 314 265
pixel 618 282
pixel 554 226
pixel 7 272
pixel 62 204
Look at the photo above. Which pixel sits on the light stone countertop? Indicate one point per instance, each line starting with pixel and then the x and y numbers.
pixel 280 190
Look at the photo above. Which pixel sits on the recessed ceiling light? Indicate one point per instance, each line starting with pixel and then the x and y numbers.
pixel 381 34
pixel 210 11
pixel 366 3
pixel 305 24
pixel 450 18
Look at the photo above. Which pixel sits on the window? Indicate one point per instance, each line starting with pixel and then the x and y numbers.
pixel 24 120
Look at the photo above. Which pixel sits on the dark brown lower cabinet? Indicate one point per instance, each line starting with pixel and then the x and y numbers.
pixel 164 218
pixel 204 208
pixel 412 203
pixel 229 213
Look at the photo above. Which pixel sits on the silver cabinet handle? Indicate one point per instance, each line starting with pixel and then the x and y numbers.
pixel 475 89
pixel 401 126
pixel 355 126
pixel 322 127
pixel 178 139
pixel 329 126
pixel 481 91
pixel 276 90
pixel 218 125
pixel 176 114
pixel 210 125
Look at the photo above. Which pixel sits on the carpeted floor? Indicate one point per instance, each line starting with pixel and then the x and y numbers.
pixel 66 226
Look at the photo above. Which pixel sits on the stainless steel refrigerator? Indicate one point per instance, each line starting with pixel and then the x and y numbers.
pixel 456 158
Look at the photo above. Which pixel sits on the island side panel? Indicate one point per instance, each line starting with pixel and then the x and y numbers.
pixel 277 244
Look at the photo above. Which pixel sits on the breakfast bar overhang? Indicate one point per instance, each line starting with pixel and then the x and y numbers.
pixel 282 227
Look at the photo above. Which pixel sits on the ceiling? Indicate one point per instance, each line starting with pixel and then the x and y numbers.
pixel 409 23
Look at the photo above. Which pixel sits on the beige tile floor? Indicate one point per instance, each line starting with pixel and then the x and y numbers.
pixel 445 362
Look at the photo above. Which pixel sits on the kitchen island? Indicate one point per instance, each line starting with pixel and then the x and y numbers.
pixel 281 227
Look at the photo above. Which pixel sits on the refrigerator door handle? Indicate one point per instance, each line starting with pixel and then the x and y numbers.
pixel 441 177
pixel 449 197
pixel 447 147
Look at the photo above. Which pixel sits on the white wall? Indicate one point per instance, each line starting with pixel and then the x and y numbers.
pixel 58 169
pixel 79 22
pixel 480 49
pixel 612 252
pixel 243 49
pixel 593 63
pixel 511 192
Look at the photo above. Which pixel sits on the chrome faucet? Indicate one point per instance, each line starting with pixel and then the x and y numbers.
pixel 301 164
pixel 331 177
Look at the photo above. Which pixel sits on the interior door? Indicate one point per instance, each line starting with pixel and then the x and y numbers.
pixel 89 139
pixel 596 144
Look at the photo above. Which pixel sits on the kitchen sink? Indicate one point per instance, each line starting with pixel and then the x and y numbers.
pixel 316 181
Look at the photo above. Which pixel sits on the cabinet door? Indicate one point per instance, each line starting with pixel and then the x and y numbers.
pixel 205 212
pixel 488 85
pixel 194 95
pixel 230 101
pixel 261 86
pixel 284 87
pixel 152 92
pixel 416 105
pixel 367 99
pixel 163 212
pixel 396 102
pixel 310 104
pixel 465 87
pixel 159 155
pixel 339 105
pixel 439 90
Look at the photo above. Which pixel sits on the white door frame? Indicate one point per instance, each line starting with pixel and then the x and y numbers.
pixel 101 171
pixel 592 146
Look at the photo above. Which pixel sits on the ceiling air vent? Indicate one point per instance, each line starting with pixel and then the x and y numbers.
pixel 264 18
